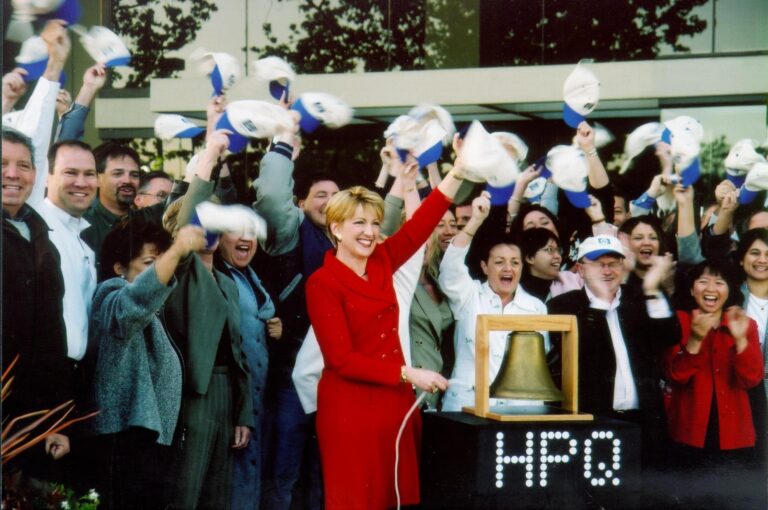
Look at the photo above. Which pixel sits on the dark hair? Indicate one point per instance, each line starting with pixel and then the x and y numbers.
pixel 126 240
pixel 304 183
pixel 525 209
pixel 719 268
pixel 534 239
pixel 619 192
pixel 111 150
pixel 747 239
pixel 148 177
pixel 12 135
pixel 493 240
pixel 53 151
pixel 652 221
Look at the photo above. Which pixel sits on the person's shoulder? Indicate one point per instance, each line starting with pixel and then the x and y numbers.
pixel 568 300
pixel 528 300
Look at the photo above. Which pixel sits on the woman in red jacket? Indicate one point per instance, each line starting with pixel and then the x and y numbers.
pixel 366 387
pixel 717 361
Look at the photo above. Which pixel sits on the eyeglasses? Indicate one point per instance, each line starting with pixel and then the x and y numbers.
pixel 162 195
pixel 613 266
pixel 549 250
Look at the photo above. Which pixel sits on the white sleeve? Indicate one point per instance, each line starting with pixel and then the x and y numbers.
pixel 405 280
pixel 454 279
pixel 36 121
pixel 307 371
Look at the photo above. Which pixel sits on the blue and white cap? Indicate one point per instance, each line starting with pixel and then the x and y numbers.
pixel 105 47
pixel 581 92
pixel 25 12
pixel 602 135
pixel 277 72
pixel 231 219
pixel 253 119
pixel 170 126
pixel 318 108
pixel 430 146
pixel 741 158
pixel 515 145
pixel 569 172
pixel 33 57
pixel 756 181
pixel 685 148
pixel 486 160
pixel 405 132
pixel 425 113
pixel 596 246
pixel 682 123
pixel 223 69
pixel 636 142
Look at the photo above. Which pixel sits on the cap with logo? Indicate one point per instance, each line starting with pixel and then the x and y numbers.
pixel 595 247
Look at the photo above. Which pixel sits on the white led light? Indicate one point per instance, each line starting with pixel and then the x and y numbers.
pixel 616 481
pixel 529 467
pixel 609 434
pixel 587 442
pixel 616 466
pixel 558 435
pixel 521 459
pixel 588 450
pixel 543 483
pixel 499 444
pixel 566 434
pixel 617 442
pixel 543 435
pixel 550 458
pixel 573 442
pixel 609 474
pixel 529 476
pixel 543 475
pixel 543 459
pixel 529 435
pixel 529 443
pixel 499 476
pixel 499 451
pixel 616 458
pixel 573 451
pixel 587 458
pixel 594 434
pixel 529 483
pixel 601 434
pixel 601 466
pixel 529 451
pixel 616 450
pixel 543 451
pixel 499 460
pixel 566 459
pixel 587 466
pixel 499 467
pixel 514 460
pixel 500 435
pixel 594 482
pixel 499 484
pixel 601 482
pixel 543 442
pixel 507 459
pixel 529 459
pixel 587 474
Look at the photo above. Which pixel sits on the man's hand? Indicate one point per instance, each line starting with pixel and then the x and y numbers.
pixel 657 273
pixel 57 445
pixel 724 188
pixel 481 207
pixel 585 137
pixel 242 436
pixel 275 328
pixel 57 41
pixel 63 102
pixel 14 87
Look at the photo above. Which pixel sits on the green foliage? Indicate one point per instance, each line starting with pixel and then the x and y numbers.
pixel 152 35
pixel 712 156
pixel 380 35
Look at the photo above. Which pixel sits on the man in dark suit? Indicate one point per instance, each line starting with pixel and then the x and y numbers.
pixel 621 336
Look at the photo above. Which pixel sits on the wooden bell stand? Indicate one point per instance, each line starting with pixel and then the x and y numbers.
pixel 569 411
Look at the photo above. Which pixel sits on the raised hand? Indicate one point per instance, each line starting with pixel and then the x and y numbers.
pixel 658 272
pixel 14 87
pixel 738 324
pixel 585 137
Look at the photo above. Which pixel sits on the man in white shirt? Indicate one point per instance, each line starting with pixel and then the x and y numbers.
pixel 620 337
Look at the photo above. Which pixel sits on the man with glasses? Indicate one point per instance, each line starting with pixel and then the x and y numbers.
pixel 620 336
pixel 154 188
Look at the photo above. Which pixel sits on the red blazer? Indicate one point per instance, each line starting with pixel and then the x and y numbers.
pixel 361 401
pixel 716 367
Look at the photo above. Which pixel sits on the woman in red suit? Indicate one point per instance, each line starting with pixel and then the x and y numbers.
pixel 366 387
pixel 710 419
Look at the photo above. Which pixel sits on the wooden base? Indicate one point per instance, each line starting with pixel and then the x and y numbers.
pixel 565 416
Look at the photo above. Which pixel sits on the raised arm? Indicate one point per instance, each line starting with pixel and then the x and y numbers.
pixel 72 123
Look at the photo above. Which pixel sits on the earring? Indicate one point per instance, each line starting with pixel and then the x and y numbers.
pixel 338 237
pixel 122 275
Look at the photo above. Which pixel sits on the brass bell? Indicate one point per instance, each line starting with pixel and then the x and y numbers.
pixel 524 373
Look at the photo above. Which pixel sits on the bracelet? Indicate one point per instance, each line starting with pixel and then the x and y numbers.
pixel 593 152
pixel 403 375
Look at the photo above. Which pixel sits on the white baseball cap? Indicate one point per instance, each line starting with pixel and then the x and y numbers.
pixel 224 69
pixel 169 126
pixel 277 72
pixel 756 181
pixel 105 47
pixel 581 92
pixel 430 146
pixel 252 119
pixel 741 158
pixel 685 148
pixel 426 112
pixel 569 168
pixel 318 108
pixel 682 123
pixel 33 57
pixel 595 247
pixel 233 219
pixel 485 158
pixel 640 138
pixel 514 144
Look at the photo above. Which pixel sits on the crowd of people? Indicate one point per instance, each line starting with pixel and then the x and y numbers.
pixel 231 368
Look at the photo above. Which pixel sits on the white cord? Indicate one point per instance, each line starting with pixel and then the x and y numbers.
pixel 397 441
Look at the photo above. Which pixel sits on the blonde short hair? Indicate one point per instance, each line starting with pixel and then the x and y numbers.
pixel 342 205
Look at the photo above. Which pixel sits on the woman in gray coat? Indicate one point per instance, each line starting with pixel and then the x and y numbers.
pixel 138 376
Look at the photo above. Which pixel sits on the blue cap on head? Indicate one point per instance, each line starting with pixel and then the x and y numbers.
pixel 237 142
pixel 211 238
pixel 277 89
pixel 308 123
pixel 500 196
pixel 571 117
pixel 691 174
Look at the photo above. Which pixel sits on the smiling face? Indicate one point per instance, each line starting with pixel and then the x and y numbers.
pixel 316 201
pixel 356 237
pixel 537 219
pixel 72 184
pixel 118 183
pixel 602 276
pixel 546 261
pixel 710 292
pixel 503 268
pixel 18 176
pixel 237 250
pixel 644 243
pixel 755 261
pixel 446 230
